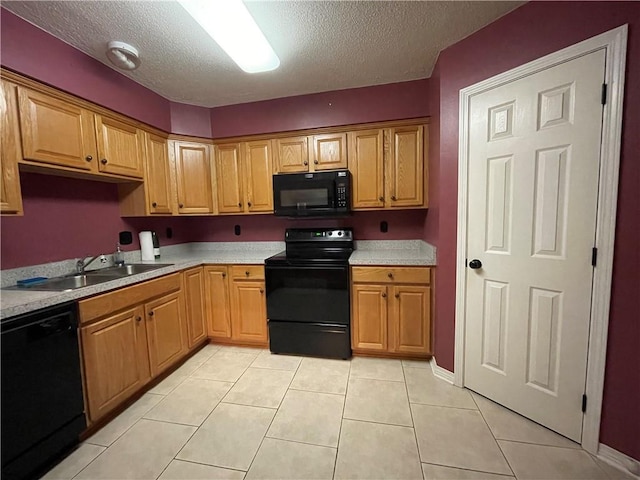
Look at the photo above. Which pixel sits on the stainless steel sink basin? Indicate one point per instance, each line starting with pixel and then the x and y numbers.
pixel 95 277
pixel 126 270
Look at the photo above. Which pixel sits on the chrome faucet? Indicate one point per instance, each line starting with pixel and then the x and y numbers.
pixel 80 265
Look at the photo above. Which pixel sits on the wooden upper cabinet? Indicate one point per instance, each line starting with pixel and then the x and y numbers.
pixel 158 179
pixel 193 177
pixel 291 154
pixel 366 163
pixel 229 178
pixel 165 331
pixel 10 154
pixel 216 281
pixel 120 147
pixel 404 169
pixel 330 151
pixel 258 176
pixel 57 132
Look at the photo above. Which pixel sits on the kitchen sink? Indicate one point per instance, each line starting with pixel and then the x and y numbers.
pixel 94 277
pixel 126 270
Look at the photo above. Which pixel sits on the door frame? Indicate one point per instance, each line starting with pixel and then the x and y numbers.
pixel 614 42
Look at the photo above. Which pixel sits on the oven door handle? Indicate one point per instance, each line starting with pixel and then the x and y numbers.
pixel 306 267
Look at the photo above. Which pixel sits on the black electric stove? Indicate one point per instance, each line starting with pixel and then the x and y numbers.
pixel 308 295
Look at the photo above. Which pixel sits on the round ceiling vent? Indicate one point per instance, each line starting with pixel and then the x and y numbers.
pixel 123 55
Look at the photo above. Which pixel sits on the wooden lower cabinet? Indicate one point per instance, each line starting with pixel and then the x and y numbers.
pixel 216 280
pixel 166 333
pixel 116 363
pixel 236 304
pixel 130 336
pixel 193 286
pixel 391 310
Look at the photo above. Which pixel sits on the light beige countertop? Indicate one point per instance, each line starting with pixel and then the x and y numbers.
pixel 16 302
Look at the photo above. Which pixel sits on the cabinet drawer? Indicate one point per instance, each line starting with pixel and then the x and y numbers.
pixel 251 272
pixel 421 275
pixel 116 300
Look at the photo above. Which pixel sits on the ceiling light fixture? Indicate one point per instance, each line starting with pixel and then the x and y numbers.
pixel 231 25
pixel 123 55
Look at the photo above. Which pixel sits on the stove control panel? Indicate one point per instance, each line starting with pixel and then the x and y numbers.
pixel 318 234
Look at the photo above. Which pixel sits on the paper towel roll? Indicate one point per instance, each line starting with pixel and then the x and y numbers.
pixel 146 246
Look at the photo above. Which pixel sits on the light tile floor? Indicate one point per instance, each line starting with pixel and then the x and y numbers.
pixel 237 413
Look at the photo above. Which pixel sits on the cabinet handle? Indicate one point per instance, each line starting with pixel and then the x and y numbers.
pixel 181 205
pixel 390 275
pixel 88 158
pixel 240 204
pixel 384 295
pixel 397 295
pixel 247 273
pixel 138 318
pixel 154 204
pixel 381 199
pixel 249 204
pixel 305 163
pixel 261 290
pixel 393 197
pixel 103 161
pixel 151 313
pixel 316 162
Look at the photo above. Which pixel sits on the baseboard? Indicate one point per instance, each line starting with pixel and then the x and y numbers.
pixel 619 460
pixel 440 372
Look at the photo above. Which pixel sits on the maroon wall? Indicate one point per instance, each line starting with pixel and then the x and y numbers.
pixel 531 31
pixel 341 107
pixel 35 53
pixel 190 120
pixel 66 218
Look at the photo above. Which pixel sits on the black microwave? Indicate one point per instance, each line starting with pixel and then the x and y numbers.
pixel 318 194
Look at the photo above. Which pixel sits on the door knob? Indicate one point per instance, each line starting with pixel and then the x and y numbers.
pixel 384 295
pixel 103 161
pixel 151 313
pixel 475 264
pixel 305 163
pixel 138 318
pixel 181 205
pixel 316 162
pixel 88 158
pixel 154 204
pixel 393 197
pixel 248 204
pixel 381 199
pixel 240 204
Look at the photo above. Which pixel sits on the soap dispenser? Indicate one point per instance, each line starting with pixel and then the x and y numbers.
pixel 118 257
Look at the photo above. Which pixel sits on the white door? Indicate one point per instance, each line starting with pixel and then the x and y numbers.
pixel 533 182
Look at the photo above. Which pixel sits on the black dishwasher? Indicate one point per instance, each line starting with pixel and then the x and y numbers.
pixel 42 404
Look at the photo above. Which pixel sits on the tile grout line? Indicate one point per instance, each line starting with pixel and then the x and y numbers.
pixel 415 434
pixel 87 465
pixel 344 406
pixel 179 450
pixel 469 469
pixel 272 419
pixel 494 437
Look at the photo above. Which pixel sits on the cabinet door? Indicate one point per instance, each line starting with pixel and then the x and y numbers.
pixel 330 151
pixel 195 305
pixel 366 163
pixel 56 132
pixel 10 196
pixel 369 317
pixel 116 364
pixel 193 178
pixel 229 178
pixel 158 180
pixel 258 175
pixel 165 331
pixel 410 319
pixel 249 312
pixel 217 297
pixel 120 147
pixel 404 169
pixel 291 154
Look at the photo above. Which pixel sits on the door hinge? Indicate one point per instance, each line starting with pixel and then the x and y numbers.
pixel 603 98
pixel 594 256
pixel 584 403
pixel 466 263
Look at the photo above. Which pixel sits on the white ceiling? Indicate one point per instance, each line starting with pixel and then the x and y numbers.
pixel 322 45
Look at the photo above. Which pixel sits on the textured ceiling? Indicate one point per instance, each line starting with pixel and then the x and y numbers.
pixel 322 45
